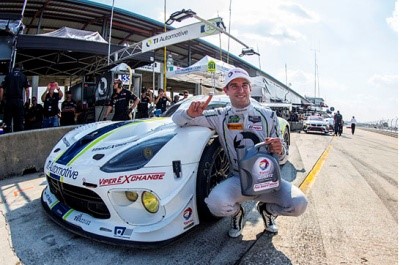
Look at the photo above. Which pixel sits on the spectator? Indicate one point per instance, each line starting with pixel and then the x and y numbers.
pixel 68 115
pixel 34 116
pixel 353 122
pixel 176 99
pixel 146 98
pixel 185 94
pixel 161 100
pixel 11 90
pixel 120 100
pixel 51 110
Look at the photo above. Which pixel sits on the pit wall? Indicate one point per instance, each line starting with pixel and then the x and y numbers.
pixel 26 151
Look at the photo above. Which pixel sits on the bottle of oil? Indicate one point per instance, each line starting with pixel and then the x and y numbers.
pixel 259 171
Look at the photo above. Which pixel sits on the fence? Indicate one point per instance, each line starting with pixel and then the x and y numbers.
pixel 385 124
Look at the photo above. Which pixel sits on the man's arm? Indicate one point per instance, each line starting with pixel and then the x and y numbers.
pixel 59 90
pixel 108 110
pixel 26 94
pixel 43 97
pixel 193 115
pixel 135 103
pixel 1 93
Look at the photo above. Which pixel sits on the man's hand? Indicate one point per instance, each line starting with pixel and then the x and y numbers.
pixel 196 108
pixel 274 145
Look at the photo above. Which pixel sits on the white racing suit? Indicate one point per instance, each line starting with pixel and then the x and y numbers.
pixel 230 124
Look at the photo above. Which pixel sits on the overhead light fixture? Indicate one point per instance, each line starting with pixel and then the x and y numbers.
pixel 180 15
pixel 248 51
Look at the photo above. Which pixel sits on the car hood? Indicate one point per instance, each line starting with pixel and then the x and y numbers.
pixel 315 122
pixel 94 144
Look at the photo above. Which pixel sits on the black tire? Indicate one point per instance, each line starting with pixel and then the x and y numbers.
pixel 287 137
pixel 213 168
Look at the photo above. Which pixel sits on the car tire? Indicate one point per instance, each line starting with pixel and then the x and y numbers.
pixel 213 168
pixel 287 137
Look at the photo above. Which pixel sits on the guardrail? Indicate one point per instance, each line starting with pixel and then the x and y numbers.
pixel 26 151
pixel 385 124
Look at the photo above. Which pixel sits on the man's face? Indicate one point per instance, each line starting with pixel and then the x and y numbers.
pixel 238 91
pixel 185 95
pixel 116 85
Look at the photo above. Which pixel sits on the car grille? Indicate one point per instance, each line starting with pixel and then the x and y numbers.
pixel 79 199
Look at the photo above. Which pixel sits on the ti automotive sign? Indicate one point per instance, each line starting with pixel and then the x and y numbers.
pixel 190 32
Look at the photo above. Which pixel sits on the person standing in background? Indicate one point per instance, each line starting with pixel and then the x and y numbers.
pixel 68 115
pixel 34 117
pixel 161 100
pixel 121 98
pixel 11 89
pixel 146 98
pixel 185 95
pixel 176 99
pixel 353 122
pixel 51 105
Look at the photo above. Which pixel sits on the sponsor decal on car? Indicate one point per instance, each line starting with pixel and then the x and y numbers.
pixel 123 232
pixel 188 216
pixel 59 172
pixel 79 218
pixel 108 147
pixel 125 179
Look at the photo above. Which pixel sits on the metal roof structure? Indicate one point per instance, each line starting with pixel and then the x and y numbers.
pixel 43 16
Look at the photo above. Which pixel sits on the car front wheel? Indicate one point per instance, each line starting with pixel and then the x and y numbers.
pixel 213 168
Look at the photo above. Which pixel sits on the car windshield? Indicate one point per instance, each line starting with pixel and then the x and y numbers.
pixel 315 118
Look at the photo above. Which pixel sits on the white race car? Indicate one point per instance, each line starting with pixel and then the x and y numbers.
pixel 137 183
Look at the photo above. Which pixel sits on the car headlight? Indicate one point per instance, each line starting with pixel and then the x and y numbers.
pixel 137 156
pixel 150 202
pixel 131 195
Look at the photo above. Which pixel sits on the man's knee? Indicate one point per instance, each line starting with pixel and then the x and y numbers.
pixel 300 206
pixel 220 207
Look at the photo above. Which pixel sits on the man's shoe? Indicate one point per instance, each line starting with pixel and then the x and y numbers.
pixel 236 224
pixel 268 218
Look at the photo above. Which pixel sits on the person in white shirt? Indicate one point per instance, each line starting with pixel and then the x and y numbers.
pixel 353 122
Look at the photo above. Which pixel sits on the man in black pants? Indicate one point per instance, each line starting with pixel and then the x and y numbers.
pixel 338 124
pixel 121 98
pixel 12 90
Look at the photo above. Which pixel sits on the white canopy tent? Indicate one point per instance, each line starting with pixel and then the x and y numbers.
pixel 208 72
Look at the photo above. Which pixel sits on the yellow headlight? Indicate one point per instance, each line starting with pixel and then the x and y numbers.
pixel 150 202
pixel 131 196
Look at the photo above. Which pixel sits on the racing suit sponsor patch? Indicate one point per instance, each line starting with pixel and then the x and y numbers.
pixel 234 119
pixel 256 127
pixel 254 119
pixel 235 126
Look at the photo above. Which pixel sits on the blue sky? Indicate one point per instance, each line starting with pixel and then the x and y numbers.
pixel 356 45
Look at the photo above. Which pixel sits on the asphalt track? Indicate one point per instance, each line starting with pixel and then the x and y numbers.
pixel 351 183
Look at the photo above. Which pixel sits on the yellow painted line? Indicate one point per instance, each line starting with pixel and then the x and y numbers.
pixel 310 178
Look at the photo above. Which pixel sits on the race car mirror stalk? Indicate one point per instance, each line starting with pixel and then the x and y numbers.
pixel 177 168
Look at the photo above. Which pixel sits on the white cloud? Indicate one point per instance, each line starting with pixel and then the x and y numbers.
pixel 383 81
pixel 393 20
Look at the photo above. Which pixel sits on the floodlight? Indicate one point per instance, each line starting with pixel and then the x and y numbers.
pixel 180 15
